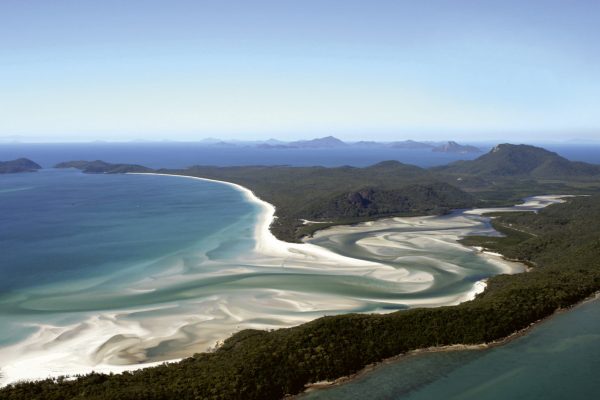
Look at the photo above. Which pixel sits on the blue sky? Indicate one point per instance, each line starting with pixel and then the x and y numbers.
pixel 387 70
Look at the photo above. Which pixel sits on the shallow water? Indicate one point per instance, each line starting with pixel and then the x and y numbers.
pixel 558 359
pixel 106 272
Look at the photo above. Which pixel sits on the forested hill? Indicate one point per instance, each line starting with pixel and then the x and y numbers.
pixel 509 160
pixel 432 198
pixel 18 165
pixel 503 176
pixel 340 195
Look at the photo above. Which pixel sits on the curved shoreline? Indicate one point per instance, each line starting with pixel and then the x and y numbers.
pixel 266 242
pixel 268 210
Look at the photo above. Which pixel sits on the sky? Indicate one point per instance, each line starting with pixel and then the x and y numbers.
pixel 291 69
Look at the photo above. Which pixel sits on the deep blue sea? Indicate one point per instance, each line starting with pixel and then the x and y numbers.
pixel 179 155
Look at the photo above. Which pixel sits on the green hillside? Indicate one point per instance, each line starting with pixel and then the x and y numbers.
pixel 509 160
pixel 339 195
pixel 433 198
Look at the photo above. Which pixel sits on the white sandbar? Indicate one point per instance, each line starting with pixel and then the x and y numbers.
pixel 397 262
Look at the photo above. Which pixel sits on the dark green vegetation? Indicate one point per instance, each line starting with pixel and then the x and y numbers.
pixel 509 173
pixel 347 195
pixel 433 198
pixel 507 160
pixel 562 241
pixel 340 195
pixel 101 167
pixel 18 165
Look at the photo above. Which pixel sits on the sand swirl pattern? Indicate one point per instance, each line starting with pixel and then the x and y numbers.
pixel 242 277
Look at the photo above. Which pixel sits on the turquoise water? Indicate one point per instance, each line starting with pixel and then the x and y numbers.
pixel 105 272
pixel 63 232
pixel 559 359
pixel 60 225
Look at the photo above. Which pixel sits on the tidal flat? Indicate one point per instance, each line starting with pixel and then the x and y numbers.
pixel 128 300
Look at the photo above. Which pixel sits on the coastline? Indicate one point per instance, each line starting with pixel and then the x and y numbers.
pixel 266 242
pixel 371 368
pixel 261 231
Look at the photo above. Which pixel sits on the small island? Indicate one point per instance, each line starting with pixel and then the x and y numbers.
pixel 18 165
pixel 101 167
pixel 453 147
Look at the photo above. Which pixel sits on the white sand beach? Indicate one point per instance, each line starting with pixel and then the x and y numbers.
pixel 377 266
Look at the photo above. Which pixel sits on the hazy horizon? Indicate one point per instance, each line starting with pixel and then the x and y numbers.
pixel 18 139
pixel 382 70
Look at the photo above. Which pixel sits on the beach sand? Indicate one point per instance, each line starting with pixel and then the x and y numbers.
pixel 384 276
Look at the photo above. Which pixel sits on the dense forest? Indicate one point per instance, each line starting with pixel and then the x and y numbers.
pixel 504 176
pixel 560 242
pixel 340 195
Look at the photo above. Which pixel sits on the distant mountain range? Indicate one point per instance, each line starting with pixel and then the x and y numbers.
pixel 18 165
pixel 330 142
pixel 411 144
pixel 503 161
pixel 324 142
pixel 327 142
pixel 453 147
